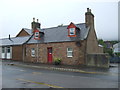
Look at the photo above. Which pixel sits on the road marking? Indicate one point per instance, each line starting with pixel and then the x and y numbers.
pixel 114 74
pixel 50 85
pixel 73 70
pixel 36 73
pixel 22 70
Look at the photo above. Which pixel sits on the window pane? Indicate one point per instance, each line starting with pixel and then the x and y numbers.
pixel 72 31
pixel 36 33
pixel 3 50
pixel 32 52
pixel 8 49
pixel 69 49
pixel 69 54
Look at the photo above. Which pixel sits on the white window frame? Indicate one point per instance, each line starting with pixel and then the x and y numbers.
pixel 8 49
pixel 33 52
pixel 72 30
pixel 36 34
pixel 3 49
pixel 69 52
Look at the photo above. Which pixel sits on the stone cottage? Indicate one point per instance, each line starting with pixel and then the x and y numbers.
pixel 72 43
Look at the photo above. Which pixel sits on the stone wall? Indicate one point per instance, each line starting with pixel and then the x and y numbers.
pixel 22 33
pixel 59 50
pixel 98 60
pixel 17 53
pixel 92 43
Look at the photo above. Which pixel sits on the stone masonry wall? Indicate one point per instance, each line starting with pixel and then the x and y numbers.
pixel 92 43
pixel 98 60
pixel 17 53
pixel 59 50
pixel 22 33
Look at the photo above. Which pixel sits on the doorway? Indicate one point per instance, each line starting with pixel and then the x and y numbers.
pixel 49 54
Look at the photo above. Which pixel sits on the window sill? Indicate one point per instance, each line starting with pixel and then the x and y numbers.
pixel 69 56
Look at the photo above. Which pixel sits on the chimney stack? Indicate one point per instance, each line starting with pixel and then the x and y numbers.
pixel 9 36
pixel 35 25
pixel 89 18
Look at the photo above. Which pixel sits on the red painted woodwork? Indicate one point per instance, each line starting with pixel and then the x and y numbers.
pixel 71 26
pixel 36 31
pixel 49 55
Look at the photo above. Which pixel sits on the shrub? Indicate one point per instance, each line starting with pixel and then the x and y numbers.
pixel 57 61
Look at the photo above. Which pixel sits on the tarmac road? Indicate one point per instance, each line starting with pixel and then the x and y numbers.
pixel 26 77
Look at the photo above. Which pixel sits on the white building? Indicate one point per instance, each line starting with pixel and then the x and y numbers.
pixel 116 48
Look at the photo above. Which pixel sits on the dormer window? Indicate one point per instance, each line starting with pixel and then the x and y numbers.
pixel 37 35
pixel 71 30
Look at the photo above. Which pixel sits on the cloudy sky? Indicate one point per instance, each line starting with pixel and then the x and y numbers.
pixel 18 14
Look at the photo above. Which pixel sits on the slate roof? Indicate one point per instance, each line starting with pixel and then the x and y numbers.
pixel 54 34
pixel 60 34
pixel 14 41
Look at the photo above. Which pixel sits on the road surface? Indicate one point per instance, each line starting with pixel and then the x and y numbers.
pixel 26 77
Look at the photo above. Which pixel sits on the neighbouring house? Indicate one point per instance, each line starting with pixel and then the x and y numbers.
pixel 108 44
pixel 24 32
pixel 116 48
pixel 75 44
pixel 116 52
pixel 12 48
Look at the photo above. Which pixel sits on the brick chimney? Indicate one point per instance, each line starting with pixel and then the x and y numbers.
pixel 38 24
pixel 89 18
pixel 35 25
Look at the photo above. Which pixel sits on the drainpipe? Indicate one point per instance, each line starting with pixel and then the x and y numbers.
pixel 37 52
pixel 23 52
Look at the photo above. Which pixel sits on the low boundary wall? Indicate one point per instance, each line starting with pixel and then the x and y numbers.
pixel 98 60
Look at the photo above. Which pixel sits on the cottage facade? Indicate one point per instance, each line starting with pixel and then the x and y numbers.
pixel 59 42
pixel 72 43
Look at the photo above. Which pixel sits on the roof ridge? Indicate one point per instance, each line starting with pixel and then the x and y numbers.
pixel 60 26
pixel 15 37
pixel 26 28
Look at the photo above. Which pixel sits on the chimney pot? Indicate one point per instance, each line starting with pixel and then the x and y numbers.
pixel 87 9
pixel 33 19
pixel 37 20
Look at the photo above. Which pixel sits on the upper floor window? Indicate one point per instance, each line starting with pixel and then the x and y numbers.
pixel 72 31
pixel 36 34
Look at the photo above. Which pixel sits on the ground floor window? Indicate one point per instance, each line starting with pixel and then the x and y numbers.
pixel 7 52
pixel 69 52
pixel 3 49
pixel 33 52
pixel 8 49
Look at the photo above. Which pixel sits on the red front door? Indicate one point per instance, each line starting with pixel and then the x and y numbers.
pixel 50 55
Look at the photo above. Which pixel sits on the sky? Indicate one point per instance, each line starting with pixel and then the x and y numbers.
pixel 18 14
